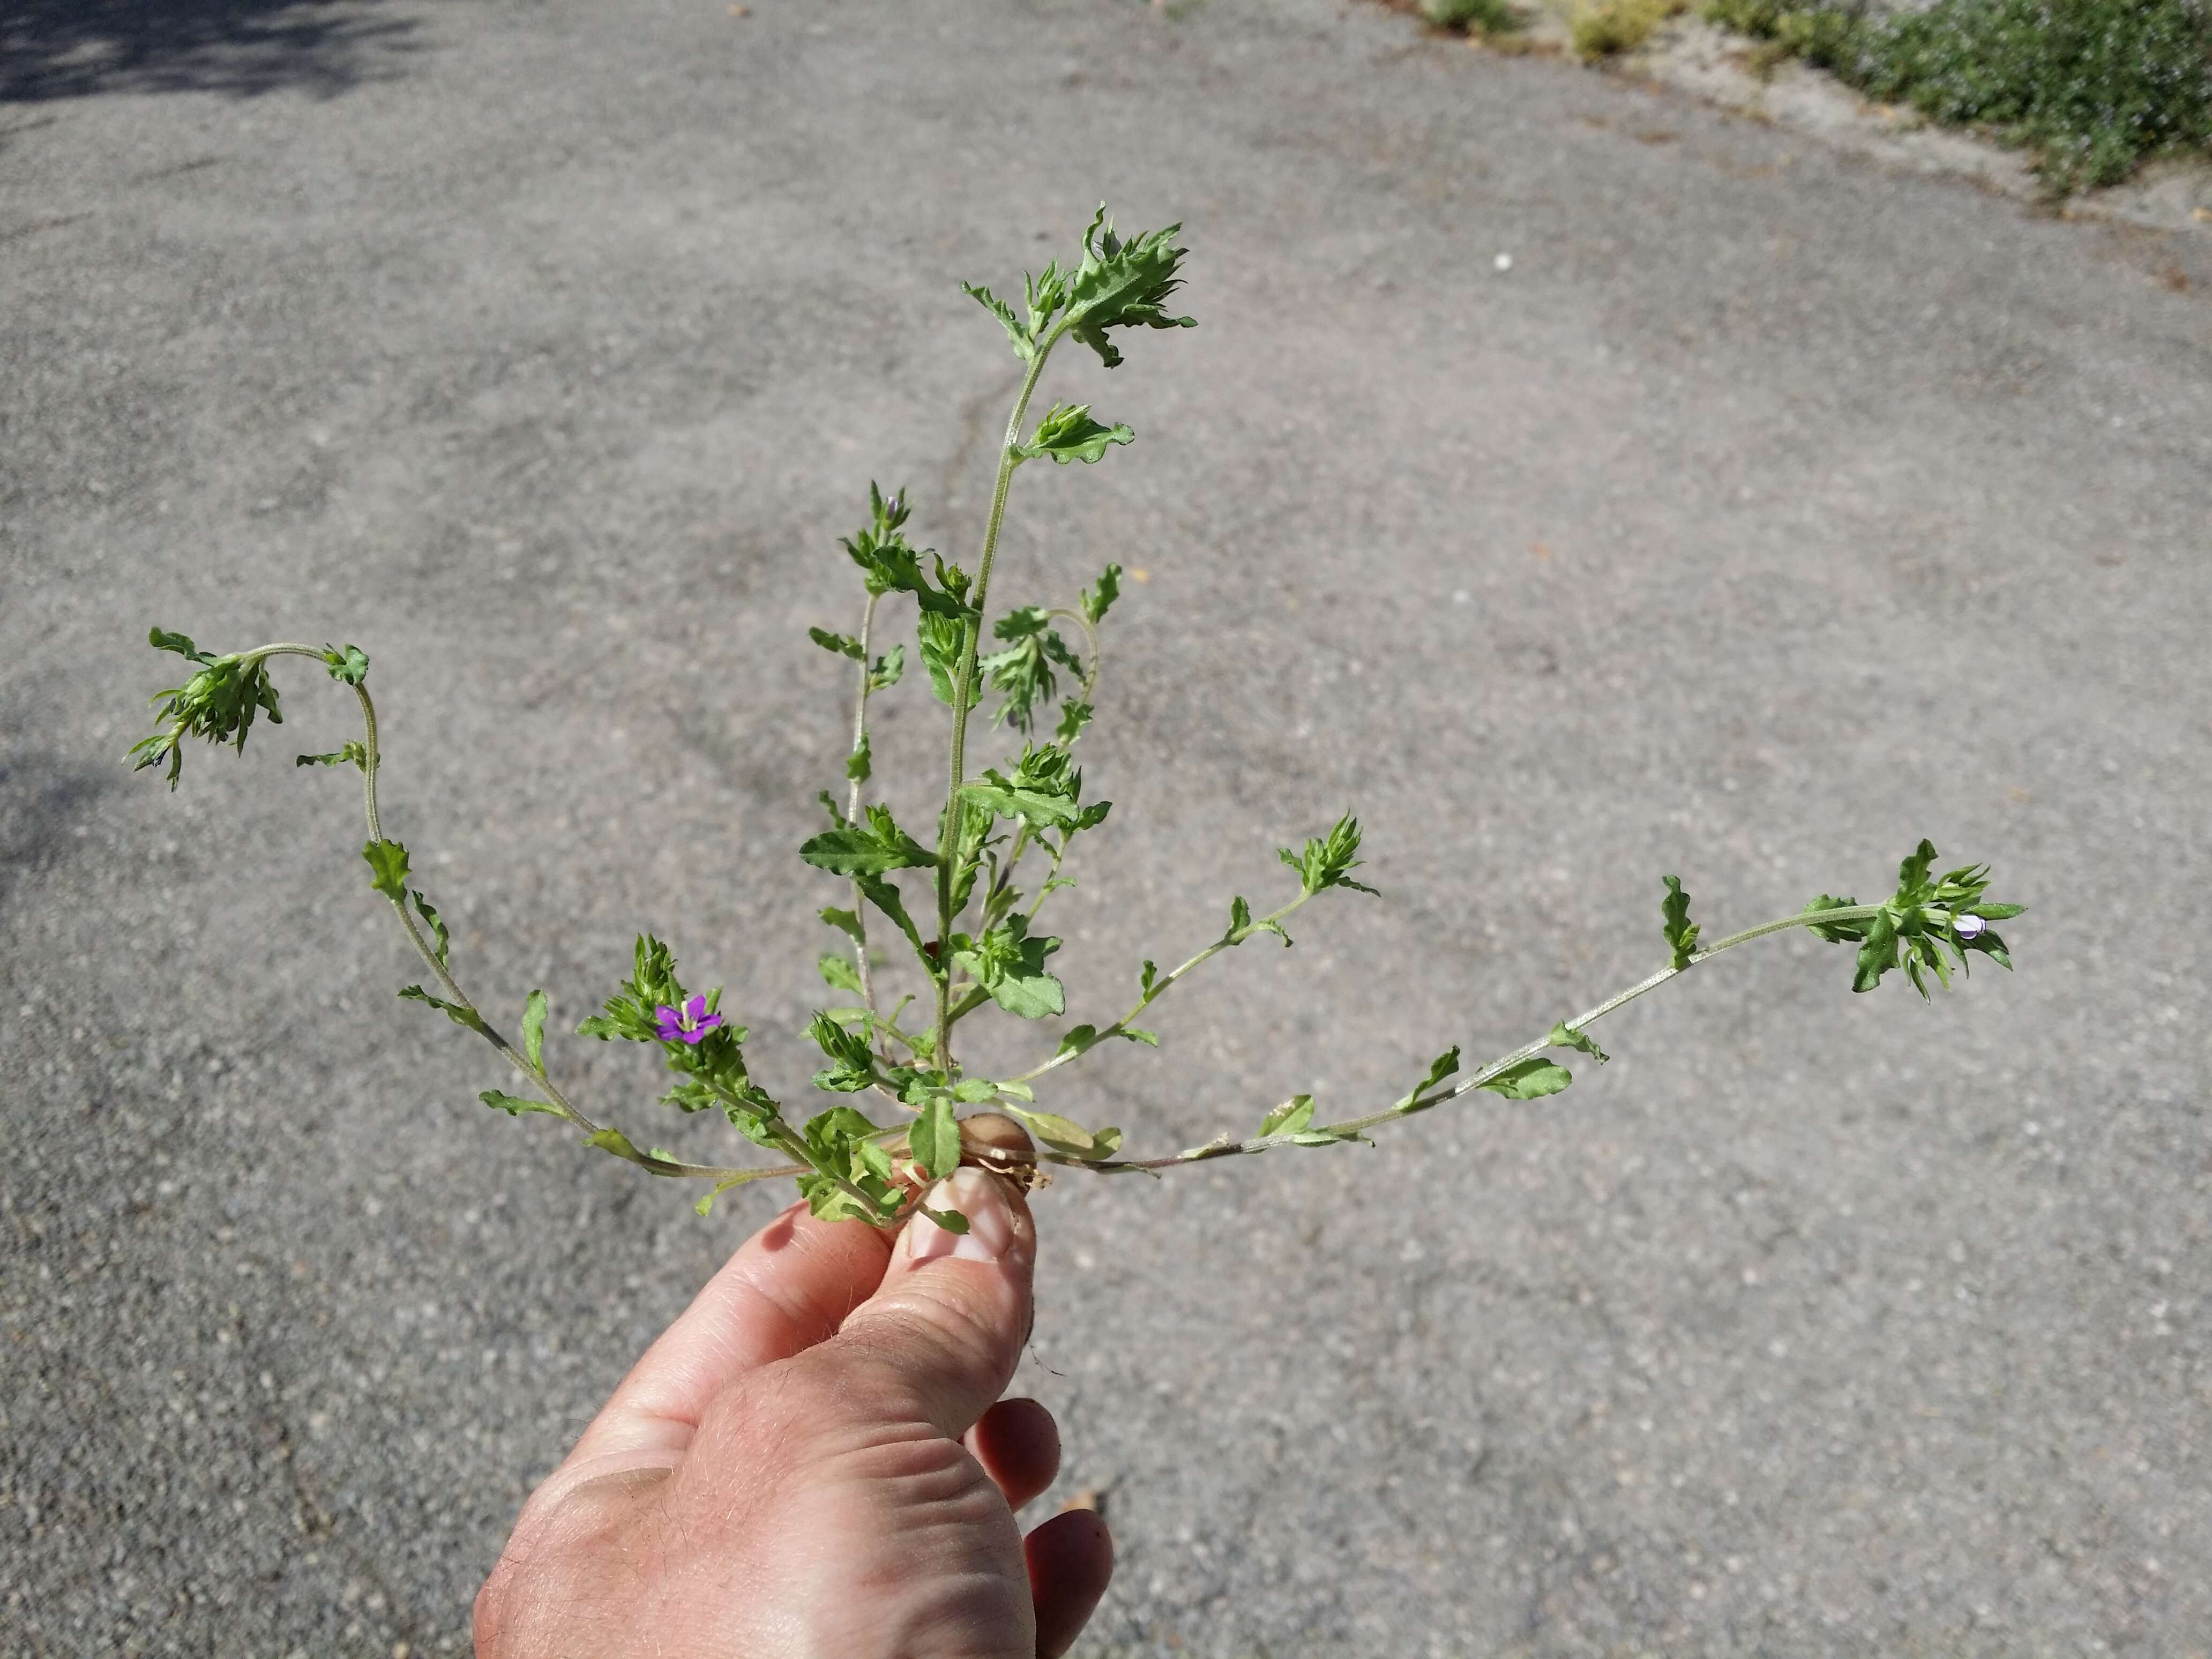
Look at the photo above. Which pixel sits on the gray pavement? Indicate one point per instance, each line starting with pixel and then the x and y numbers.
pixel 1769 514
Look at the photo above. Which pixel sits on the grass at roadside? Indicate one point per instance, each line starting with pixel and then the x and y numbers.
pixel 1601 28
pixel 2092 87
pixel 1595 28
pixel 1480 16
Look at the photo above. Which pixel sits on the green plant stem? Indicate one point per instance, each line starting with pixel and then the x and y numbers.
pixel 970 999
pixel 1045 889
pixel 789 1139
pixel 853 808
pixel 1226 1147
pixel 1235 936
pixel 513 1056
pixel 964 696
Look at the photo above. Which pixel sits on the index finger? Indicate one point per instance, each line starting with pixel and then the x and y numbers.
pixel 789 1286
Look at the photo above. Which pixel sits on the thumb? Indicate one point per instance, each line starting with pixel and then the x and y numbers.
pixel 944 1331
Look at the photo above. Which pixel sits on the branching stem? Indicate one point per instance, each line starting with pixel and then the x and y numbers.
pixel 1226 1147
pixel 964 698
pixel 1160 988
pixel 513 1056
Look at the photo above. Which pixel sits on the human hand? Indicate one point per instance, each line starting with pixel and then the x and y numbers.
pixel 808 1461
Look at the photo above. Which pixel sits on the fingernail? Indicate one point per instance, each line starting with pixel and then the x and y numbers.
pixel 990 1222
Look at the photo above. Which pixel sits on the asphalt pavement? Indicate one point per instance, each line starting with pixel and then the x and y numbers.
pixel 1581 484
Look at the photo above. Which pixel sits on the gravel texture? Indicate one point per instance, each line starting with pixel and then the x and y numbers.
pixel 1770 512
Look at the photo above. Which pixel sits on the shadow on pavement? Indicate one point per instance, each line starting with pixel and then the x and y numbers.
pixel 53 49
pixel 44 799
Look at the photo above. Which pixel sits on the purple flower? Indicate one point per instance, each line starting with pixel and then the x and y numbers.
pixel 1968 927
pixel 689 1026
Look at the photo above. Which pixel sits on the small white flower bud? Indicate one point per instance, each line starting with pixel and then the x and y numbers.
pixel 1969 927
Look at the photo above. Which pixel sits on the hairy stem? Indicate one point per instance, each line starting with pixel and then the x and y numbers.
pixel 853 808
pixel 459 997
pixel 964 698
pixel 1226 1147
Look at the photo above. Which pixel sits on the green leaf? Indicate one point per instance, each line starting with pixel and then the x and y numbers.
pixel 1073 717
pixel 1919 923
pixel 1024 346
pixel 533 1030
pixel 1835 933
pixel 836 642
pixel 1328 1138
pixel 1032 996
pixel 1990 945
pixel 1097 601
pixel 349 666
pixel 615 1141
pixel 753 1112
pixel 852 1068
pixel 1009 964
pixel 888 669
pixel 1878 954
pixel 1290 1118
pixel 441 941
pixel 934 1139
pixel 1039 811
pixel 218 702
pixel 1439 1069
pixel 885 897
pixel 888 564
pixel 951 1220
pixel 162 639
pixel 1135 1036
pixel 1561 1037
pixel 846 923
pixel 1327 860
pixel 839 1144
pixel 858 764
pixel 1078 1041
pixel 354 753
pixel 1122 285
pixel 452 1011
pixel 1912 873
pixel 839 973
pixel 955 582
pixel 1061 1133
pixel 516 1105
pixel 1044 791
pixel 1681 932
pixel 1069 434
pixel 942 640
pixel 1148 981
pixel 387 868
pixel 868 849
pixel 1242 927
pixel 1528 1079
pixel 705 1206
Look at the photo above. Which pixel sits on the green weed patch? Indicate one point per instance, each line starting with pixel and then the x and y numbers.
pixel 2092 87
